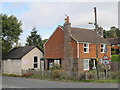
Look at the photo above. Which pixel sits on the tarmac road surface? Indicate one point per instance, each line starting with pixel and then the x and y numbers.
pixel 18 82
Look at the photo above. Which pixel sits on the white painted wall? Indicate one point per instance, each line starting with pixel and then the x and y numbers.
pixel 28 60
pixel 16 66
pixel 11 66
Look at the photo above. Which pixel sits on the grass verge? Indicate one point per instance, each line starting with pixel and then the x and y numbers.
pixel 115 58
pixel 64 80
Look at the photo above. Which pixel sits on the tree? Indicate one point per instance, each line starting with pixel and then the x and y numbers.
pixel 34 39
pixel 44 41
pixel 118 32
pixel 11 30
pixel 112 33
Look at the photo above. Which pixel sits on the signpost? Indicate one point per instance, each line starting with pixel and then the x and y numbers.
pixel 106 62
pixel 105 59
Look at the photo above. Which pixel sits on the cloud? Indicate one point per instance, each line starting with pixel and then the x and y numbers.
pixel 46 16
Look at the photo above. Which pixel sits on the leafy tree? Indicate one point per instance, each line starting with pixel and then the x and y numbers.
pixel 112 33
pixel 11 30
pixel 105 33
pixel 44 41
pixel 118 32
pixel 34 39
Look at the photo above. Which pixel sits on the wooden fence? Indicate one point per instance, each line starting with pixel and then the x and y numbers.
pixel 70 75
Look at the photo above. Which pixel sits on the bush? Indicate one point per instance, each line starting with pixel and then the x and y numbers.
pixel 55 67
pixel 114 75
pixel 27 74
pixel 56 74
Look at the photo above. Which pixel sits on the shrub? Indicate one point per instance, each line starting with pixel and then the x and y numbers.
pixel 114 75
pixel 27 74
pixel 56 74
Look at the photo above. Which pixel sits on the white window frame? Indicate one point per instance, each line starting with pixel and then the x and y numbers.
pixel 36 62
pixel 113 45
pixel 118 45
pixel 86 47
pixel 84 64
pixel 57 62
pixel 104 45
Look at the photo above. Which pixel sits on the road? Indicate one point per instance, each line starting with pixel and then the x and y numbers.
pixel 18 82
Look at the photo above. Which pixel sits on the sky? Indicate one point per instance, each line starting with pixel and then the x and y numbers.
pixel 46 16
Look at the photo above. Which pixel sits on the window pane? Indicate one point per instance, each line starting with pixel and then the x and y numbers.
pixel 85 49
pixel 85 45
pixel 101 50
pixel 35 65
pixel 35 59
pixel 86 64
pixel 101 45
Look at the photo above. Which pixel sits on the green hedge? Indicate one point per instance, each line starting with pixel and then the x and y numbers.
pixel 116 58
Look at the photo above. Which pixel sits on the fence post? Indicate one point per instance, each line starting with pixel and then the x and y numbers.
pixel 86 78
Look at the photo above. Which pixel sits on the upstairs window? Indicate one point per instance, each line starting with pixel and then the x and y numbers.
pixel 86 47
pixel 113 45
pixel 103 48
pixel 35 61
pixel 118 45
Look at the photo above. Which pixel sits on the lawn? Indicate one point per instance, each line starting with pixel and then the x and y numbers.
pixel 115 58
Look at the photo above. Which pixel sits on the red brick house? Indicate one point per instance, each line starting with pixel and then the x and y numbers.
pixel 115 44
pixel 74 48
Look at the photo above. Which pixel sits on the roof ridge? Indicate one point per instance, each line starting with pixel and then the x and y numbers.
pixel 82 28
pixel 77 28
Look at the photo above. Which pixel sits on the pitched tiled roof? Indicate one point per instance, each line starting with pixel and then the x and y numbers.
pixel 114 40
pixel 18 52
pixel 86 35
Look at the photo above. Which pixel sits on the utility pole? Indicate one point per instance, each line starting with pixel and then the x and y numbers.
pixel 96 36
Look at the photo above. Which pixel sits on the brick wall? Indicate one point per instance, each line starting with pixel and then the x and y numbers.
pixel 54 48
pixel 74 48
pixel 92 51
pixel 116 47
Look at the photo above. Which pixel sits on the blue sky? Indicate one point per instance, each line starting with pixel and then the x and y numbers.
pixel 46 16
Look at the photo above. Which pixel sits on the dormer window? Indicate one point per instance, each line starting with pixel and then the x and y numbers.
pixel 86 47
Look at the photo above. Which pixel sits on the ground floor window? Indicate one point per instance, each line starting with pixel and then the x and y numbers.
pixel 50 64
pixel 35 65
pixel 53 62
pixel 57 62
pixel 86 64
pixel 35 61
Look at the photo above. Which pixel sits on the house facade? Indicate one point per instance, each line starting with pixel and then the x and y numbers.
pixel 74 49
pixel 23 58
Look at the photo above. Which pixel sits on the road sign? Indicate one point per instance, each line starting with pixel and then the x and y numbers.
pixel 105 57
pixel 107 62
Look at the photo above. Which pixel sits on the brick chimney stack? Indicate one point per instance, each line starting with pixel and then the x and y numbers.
pixel 68 54
pixel 67 22
pixel 100 31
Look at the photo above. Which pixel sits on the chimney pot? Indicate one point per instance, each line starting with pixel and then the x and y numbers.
pixel 67 20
